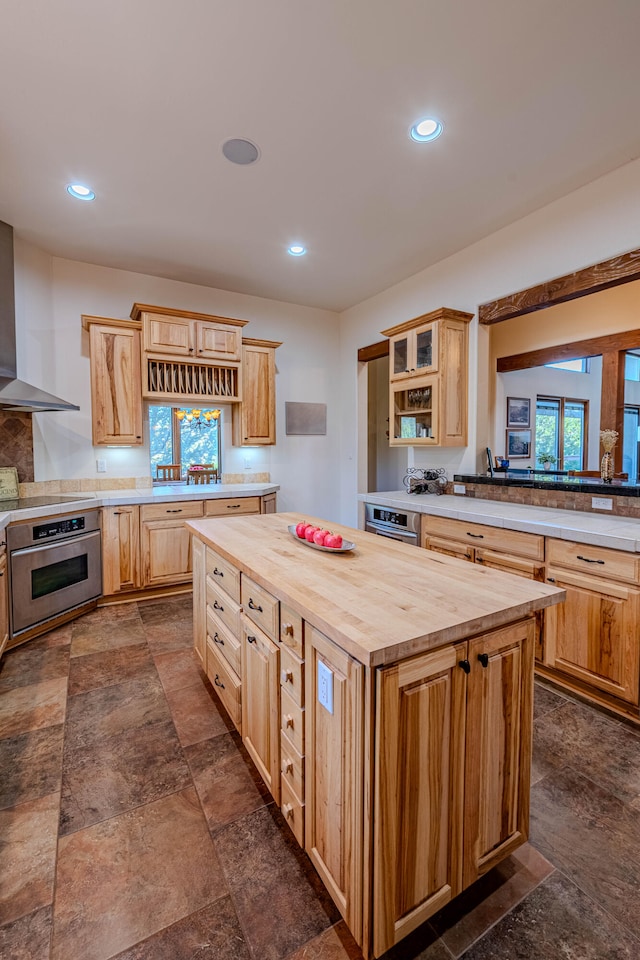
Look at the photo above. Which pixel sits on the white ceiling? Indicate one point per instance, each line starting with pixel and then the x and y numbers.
pixel 136 97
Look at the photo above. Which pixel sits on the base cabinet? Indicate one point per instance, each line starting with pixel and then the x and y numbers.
pixel 4 601
pixel 260 703
pixel 451 774
pixel 120 549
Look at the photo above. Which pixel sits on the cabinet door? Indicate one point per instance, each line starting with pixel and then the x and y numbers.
pixel 120 549
pixel 453 383
pixel 450 547
pixel 413 413
pixel 334 739
pixel 414 353
pixel 268 504
pixel 116 387
pixel 166 552
pixel 254 420
pixel 4 601
pixel 498 746
pixel 217 341
pixel 530 569
pixel 418 802
pixel 199 553
pixel 261 704
pixel 168 335
pixel 593 635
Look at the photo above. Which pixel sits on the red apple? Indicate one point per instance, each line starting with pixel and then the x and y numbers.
pixel 300 528
pixel 309 532
pixel 334 540
pixel 319 537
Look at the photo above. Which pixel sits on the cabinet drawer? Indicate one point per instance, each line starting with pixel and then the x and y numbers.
pixel 226 683
pixel 224 642
pixel 261 606
pixel 183 510
pixel 223 607
pixel 223 574
pixel 291 630
pixel 597 561
pixel 478 534
pixel 292 811
pixel 292 720
pixel 226 508
pixel 291 765
pixel 292 675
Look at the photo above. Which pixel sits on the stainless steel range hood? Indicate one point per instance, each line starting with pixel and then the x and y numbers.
pixel 15 394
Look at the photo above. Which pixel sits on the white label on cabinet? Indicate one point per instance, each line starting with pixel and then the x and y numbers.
pixel 601 503
pixel 325 686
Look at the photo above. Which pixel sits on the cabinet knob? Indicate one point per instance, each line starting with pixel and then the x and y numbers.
pixel 287 810
pixel 286 676
pixel 484 659
pixel 288 721
pixel 218 682
pixel 190 349
pixel 251 639
pixel 254 606
pixel 551 579
pixel 479 559
pixel 465 665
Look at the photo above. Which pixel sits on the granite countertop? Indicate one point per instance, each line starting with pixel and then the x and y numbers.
pixel 159 493
pixel 620 533
pixel 550 480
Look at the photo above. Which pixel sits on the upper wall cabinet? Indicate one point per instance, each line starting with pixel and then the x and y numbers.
pixel 116 393
pixel 254 420
pixel 189 356
pixel 428 377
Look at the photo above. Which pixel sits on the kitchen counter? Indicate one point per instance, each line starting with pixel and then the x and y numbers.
pixel 383 601
pixel 620 533
pixel 159 493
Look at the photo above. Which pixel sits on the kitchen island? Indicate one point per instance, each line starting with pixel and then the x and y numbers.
pixel 385 695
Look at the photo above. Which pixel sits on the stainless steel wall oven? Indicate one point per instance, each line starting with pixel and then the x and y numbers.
pixel 401 525
pixel 55 566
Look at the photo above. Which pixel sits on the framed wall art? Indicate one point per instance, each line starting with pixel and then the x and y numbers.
pixel 518 412
pixel 518 444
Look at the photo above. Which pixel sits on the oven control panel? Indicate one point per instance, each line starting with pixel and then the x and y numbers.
pixel 389 516
pixel 54 528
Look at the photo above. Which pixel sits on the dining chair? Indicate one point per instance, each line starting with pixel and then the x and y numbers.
pixel 202 474
pixel 168 471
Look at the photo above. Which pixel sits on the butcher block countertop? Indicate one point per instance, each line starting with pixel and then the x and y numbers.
pixel 381 602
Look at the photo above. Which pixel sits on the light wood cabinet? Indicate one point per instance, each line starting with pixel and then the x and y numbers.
pixel 165 542
pixel 452 773
pixel 428 380
pixel 593 636
pixel 120 549
pixel 4 600
pixel 185 334
pixel 254 419
pixel 268 504
pixel 260 703
pixel 199 554
pixel 116 386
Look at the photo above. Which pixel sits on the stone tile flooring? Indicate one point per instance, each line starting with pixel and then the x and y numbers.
pixel 133 825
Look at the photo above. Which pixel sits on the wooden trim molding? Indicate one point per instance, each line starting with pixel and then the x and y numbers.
pixel 253 342
pixel 375 351
pixel 627 340
pixel 600 276
pixel 442 313
pixel 139 308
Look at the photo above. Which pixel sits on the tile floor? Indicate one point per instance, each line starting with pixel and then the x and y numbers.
pixel 133 825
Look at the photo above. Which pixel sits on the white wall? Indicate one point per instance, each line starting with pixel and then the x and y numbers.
pixel 592 224
pixel 53 353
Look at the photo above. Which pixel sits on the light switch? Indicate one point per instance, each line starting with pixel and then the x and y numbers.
pixel 101 466
pixel 325 686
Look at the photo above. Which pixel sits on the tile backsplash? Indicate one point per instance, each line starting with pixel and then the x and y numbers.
pixel 16 443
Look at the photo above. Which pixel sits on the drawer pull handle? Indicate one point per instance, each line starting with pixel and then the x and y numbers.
pixel 551 579
pixel 251 639
pixel 288 721
pixel 465 665
pixel 233 506
pixel 217 639
pixel 254 606
pixel 217 606
pixel 479 559
pixel 484 659
pixel 218 682
pixel 217 573
pixel 476 536
pixel 287 766
pixel 586 560
pixel 174 511
pixel 287 629
pixel 287 810
pixel 286 676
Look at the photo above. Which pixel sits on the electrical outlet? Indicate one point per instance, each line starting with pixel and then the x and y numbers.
pixel 325 686
pixel 601 503
pixel 247 463
pixel 101 466
pixel 459 488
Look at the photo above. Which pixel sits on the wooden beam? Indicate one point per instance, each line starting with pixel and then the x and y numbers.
pixel 596 346
pixel 612 400
pixel 600 276
pixel 375 351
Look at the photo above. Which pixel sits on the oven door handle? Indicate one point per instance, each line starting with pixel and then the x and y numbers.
pixel 41 547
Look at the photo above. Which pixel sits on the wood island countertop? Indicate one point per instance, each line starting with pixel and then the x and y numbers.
pixel 384 600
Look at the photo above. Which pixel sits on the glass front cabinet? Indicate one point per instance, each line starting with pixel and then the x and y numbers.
pixel 428 380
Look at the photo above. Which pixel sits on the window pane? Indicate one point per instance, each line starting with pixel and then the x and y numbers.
pixel 631 438
pixel 160 436
pixel 547 427
pixel 200 443
pixel 577 366
pixel 573 453
pixel 632 367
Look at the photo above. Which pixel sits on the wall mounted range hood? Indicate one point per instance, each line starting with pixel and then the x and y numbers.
pixel 15 394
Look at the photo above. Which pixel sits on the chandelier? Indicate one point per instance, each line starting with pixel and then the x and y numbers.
pixel 198 418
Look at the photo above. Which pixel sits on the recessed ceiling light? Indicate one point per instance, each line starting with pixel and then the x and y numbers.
pixel 425 130
pixel 80 191
pixel 240 151
pixel 296 250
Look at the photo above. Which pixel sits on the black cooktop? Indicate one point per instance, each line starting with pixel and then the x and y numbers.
pixel 26 503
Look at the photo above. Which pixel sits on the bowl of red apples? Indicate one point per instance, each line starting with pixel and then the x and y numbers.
pixel 319 538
